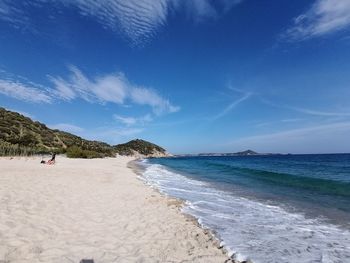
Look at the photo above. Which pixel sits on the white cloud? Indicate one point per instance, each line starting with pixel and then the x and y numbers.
pixel 24 91
pixel 66 127
pixel 324 17
pixel 125 120
pixel 140 20
pixel 234 103
pixel 114 88
pixel 145 96
pixel 11 13
pixel 320 113
pixel 307 111
pixel 111 88
pixel 112 135
pixel 63 89
pixel 107 134
pixel 137 20
pixel 201 9
pixel 129 121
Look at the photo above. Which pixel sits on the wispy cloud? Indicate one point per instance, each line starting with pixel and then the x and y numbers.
pixel 244 96
pixel 320 113
pixel 62 88
pixel 200 10
pixel 24 91
pixel 4 8
pixel 137 20
pixel 12 13
pixel 146 96
pixel 114 88
pixel 125 120
pixel 319 138
pixel 140 20
pixel 108 88
pixel 324 17
pixel 307 111
pixel 130 121
pixel 112 134
pixel 292 120
pixel 66 127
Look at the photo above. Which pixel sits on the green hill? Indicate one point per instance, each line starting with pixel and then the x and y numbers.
pixel 139 146
pixel 19 135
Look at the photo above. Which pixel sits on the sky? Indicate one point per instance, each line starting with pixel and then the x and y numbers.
pixel 190 75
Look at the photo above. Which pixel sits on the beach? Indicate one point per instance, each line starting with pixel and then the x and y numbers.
pixel 93 209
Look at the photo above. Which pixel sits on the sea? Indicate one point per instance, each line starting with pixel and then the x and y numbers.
pixel 265 208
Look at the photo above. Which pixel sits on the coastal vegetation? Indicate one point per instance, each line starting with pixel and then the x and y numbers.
pixel 21 136
pixel 78 152
pixel 139 146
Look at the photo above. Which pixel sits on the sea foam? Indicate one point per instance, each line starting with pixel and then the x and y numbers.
pixel 252 229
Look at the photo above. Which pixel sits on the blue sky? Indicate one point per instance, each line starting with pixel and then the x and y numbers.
pixel 191 76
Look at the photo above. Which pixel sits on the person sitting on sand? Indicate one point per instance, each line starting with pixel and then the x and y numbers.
pixel 51 161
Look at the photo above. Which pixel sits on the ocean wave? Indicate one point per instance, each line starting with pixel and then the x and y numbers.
pixel 322 186
pixel 248 228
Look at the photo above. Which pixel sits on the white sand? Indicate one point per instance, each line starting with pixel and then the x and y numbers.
pixel 92 209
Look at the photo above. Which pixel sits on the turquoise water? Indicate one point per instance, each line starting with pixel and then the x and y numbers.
pixel 275 208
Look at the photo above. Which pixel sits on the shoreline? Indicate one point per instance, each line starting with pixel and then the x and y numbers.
pixel 93 209
pixel 217 192
pixel 179 204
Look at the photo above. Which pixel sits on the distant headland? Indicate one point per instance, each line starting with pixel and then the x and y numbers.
pixel 242 153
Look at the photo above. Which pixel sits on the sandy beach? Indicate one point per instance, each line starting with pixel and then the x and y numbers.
pixel 92 209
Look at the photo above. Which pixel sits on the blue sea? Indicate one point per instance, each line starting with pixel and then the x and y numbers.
pixel 268 208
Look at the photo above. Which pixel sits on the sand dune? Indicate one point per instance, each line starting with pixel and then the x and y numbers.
pixel 92 209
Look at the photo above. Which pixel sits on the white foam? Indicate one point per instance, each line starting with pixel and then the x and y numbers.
pixel 262 232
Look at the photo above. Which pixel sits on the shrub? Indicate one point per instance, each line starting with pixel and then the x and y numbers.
pixel 77 152
pixel 27 140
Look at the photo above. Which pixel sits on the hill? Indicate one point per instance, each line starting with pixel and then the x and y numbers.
pixel 140 147
pixel 247 152
pixel 19 135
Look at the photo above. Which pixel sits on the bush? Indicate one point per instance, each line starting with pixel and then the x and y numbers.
pixel 77 152
pixel 25 137
pixel 27 140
